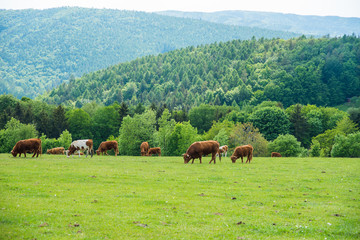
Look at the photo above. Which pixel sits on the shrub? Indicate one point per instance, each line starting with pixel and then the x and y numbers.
pixel 315 149
pixel 287 145
pixel 346 146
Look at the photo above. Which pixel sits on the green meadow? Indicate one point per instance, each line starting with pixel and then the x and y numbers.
pixel 125 197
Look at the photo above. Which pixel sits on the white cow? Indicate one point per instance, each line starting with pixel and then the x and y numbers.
pixel 81 145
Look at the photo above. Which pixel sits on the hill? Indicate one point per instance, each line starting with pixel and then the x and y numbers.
pixel 309 25
pixel 322 71
pixel 40 49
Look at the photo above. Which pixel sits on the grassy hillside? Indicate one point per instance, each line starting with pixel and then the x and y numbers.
pixel 39 49
pixel 323 71
pixel 312 25
pixel 162 198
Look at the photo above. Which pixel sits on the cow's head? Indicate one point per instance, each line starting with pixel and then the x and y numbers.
pixel 97 152
pixel 233 159
pixel 187 157
pixel 13 153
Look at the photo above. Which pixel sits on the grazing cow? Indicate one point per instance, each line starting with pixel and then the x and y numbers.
pixel 28 145
pixel 144 148
pixel 108 145
pixel 275 154
pixel 242 151
pixel 198 149
pixel 152 151
pixel 81 145
pixel 223 150
pixel 57 150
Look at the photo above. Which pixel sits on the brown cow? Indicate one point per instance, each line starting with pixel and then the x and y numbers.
pixel 242 151
pixel 144 148
pixel 152 151
pixel 108 145
pixel 28 145
pixel 275 154
pixel 81 145
pixel 198 149
pixel 57 150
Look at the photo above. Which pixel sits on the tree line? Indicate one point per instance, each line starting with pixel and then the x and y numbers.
pixel 322 72
pixel 268 126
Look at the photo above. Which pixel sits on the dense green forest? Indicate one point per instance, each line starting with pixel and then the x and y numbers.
pixel 324 72
pixel 310 25
pixel 40 49
pixel 296 130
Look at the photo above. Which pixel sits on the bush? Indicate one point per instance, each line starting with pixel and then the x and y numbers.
pixel 346 146
pixel 287 145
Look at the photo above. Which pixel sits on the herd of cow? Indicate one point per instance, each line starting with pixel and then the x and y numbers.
pixel 196 150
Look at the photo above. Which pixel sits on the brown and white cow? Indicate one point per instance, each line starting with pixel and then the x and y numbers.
pixel 57 150
pixel 198 149
pixel 275 154
pixel 28 145
pixel 243 151
pixel 155 150
pixel 144 148
pixel 108 145
pixel 223 150
pixel 81 145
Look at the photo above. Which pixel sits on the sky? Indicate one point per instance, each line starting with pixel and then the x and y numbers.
pixel 342 8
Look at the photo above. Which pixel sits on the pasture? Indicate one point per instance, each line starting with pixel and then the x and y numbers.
pixel 107 197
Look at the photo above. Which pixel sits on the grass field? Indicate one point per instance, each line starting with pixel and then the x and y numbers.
pixel 54 197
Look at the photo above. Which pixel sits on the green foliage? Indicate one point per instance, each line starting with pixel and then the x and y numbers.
pixel 306 71
pixel 134 131
pixel 287 145
pixel 315 149
pixel 163 136
pixel 79 124
pixel 181 138
pixel 346 146
pixel 354 115
pixel 271 121
pixel 222 137
pixel 243 134
pixel 13 132
pixel 65 139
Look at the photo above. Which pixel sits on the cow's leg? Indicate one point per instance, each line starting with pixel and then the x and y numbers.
pixel 226 154
pixel 25 154
pixel 106 153
pixel 192 160
pixel 242 159
pixel 200 159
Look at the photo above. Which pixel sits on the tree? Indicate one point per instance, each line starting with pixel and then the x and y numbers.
pixel 13 132
pixel 202 117
pixel 59 121
pixel 346 146
pixel 243 134
pixel 79 124
pixel 271 121
pixel 287 145
pixel 354 114
pixel 166 127
pixel 105 122
pixel 139 128
pixel 181 138
pixel 315 149
pixel 299 126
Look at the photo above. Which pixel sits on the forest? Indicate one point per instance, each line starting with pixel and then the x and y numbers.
pixel 297 130
pixel 40 49
pixel 322 72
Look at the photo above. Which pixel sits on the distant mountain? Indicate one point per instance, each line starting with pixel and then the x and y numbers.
pixel 303 70
pixel 40 49
pixel 309 25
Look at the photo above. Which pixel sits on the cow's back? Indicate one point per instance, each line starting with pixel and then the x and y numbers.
pixel 198 149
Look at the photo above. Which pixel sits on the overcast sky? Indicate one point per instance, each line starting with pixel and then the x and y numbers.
pixel 343 8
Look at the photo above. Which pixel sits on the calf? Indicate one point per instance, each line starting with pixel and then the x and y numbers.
pixel 198 149
pixel 223 150
pixel 28 145
pixel 242 151
pixel 144 148
pixel 81 145
pixel 275 154
pixel 108 145
pixel 57 150
pixel 152 151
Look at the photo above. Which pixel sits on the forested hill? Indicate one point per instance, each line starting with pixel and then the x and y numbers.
pixel 322 71
pixel 310 25
pixel 39 49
